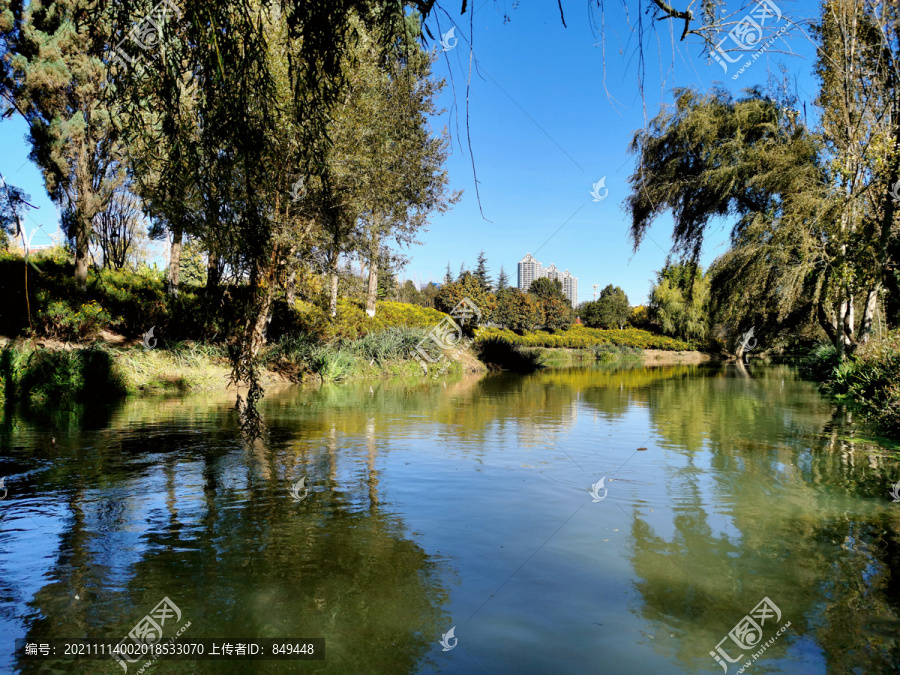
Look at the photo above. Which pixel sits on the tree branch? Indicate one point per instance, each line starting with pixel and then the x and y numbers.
pixel 672 13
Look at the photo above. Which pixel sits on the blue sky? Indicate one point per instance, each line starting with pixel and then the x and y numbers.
pixel 544 128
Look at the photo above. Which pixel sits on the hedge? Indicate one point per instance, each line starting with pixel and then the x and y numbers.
pixel 580 337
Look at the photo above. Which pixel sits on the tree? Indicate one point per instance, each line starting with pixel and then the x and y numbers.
pixel 545 288
pixel 401 172
pixel 815 221
pixel 639 318
pixel 610 310
pixel 502 279
pixel 193 267
pixel 679 302
pixel 555 306
pixel 450 295
pixel 408 293
pixel 429 295
pixel 448 275
pixel 518 311
pixel 56 80
pixel 481 271
pixel 116 227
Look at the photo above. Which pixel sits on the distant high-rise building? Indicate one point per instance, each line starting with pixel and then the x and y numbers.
pixel 570 287
pixel 530 269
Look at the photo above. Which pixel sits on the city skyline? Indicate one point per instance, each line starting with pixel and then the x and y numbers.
pixel 530 268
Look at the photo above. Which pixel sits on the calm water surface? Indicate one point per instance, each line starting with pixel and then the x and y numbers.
pixel 464 504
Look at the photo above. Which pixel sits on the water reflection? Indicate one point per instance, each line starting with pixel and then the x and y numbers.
pixel 463 503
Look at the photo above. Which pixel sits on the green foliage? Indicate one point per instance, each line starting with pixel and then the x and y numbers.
pixel 468 286
pixel 482 273
pixel 610 310
pixel 43 376
pixel 192 271
pixel 581 337
pixel 137 299
pixel 679 305
pixel 870 379
pixel 518 311
pixel 639 317
pixel 60 320
pixel 502 279
pixel 556 311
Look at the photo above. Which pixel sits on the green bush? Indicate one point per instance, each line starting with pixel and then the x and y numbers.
pixel 870 379
pixel 580 337
pixel 43 376
pixel 352 322
pixel 61 321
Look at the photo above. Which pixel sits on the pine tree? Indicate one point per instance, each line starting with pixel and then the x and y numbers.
pixel 59 80
pixel 481 271
pixel 462 271
pixel 502 279
pixel 448 276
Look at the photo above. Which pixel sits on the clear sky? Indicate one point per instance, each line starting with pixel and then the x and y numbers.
pixel 547 121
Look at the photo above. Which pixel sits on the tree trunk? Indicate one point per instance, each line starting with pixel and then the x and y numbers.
pixel 175 262
pixel 82 235
pixel 332 306
pixel 212 271
pixel 291 289
pixel 372 294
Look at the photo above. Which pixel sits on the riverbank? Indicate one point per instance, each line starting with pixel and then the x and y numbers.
pixel 866 382
pixel 39 372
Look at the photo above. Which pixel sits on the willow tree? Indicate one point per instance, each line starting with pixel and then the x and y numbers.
pixel 712 158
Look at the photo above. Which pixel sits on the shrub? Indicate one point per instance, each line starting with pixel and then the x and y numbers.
pixel 580 337
pixel 352 322
pixel 59 320
pixel 869 379
pixel 43 376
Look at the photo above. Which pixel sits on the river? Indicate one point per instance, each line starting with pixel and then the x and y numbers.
pixel 737 508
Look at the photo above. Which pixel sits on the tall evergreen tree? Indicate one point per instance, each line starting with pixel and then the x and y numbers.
pixel 502 279
pixel 57 81
pixel 448 275
pixel 481 271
